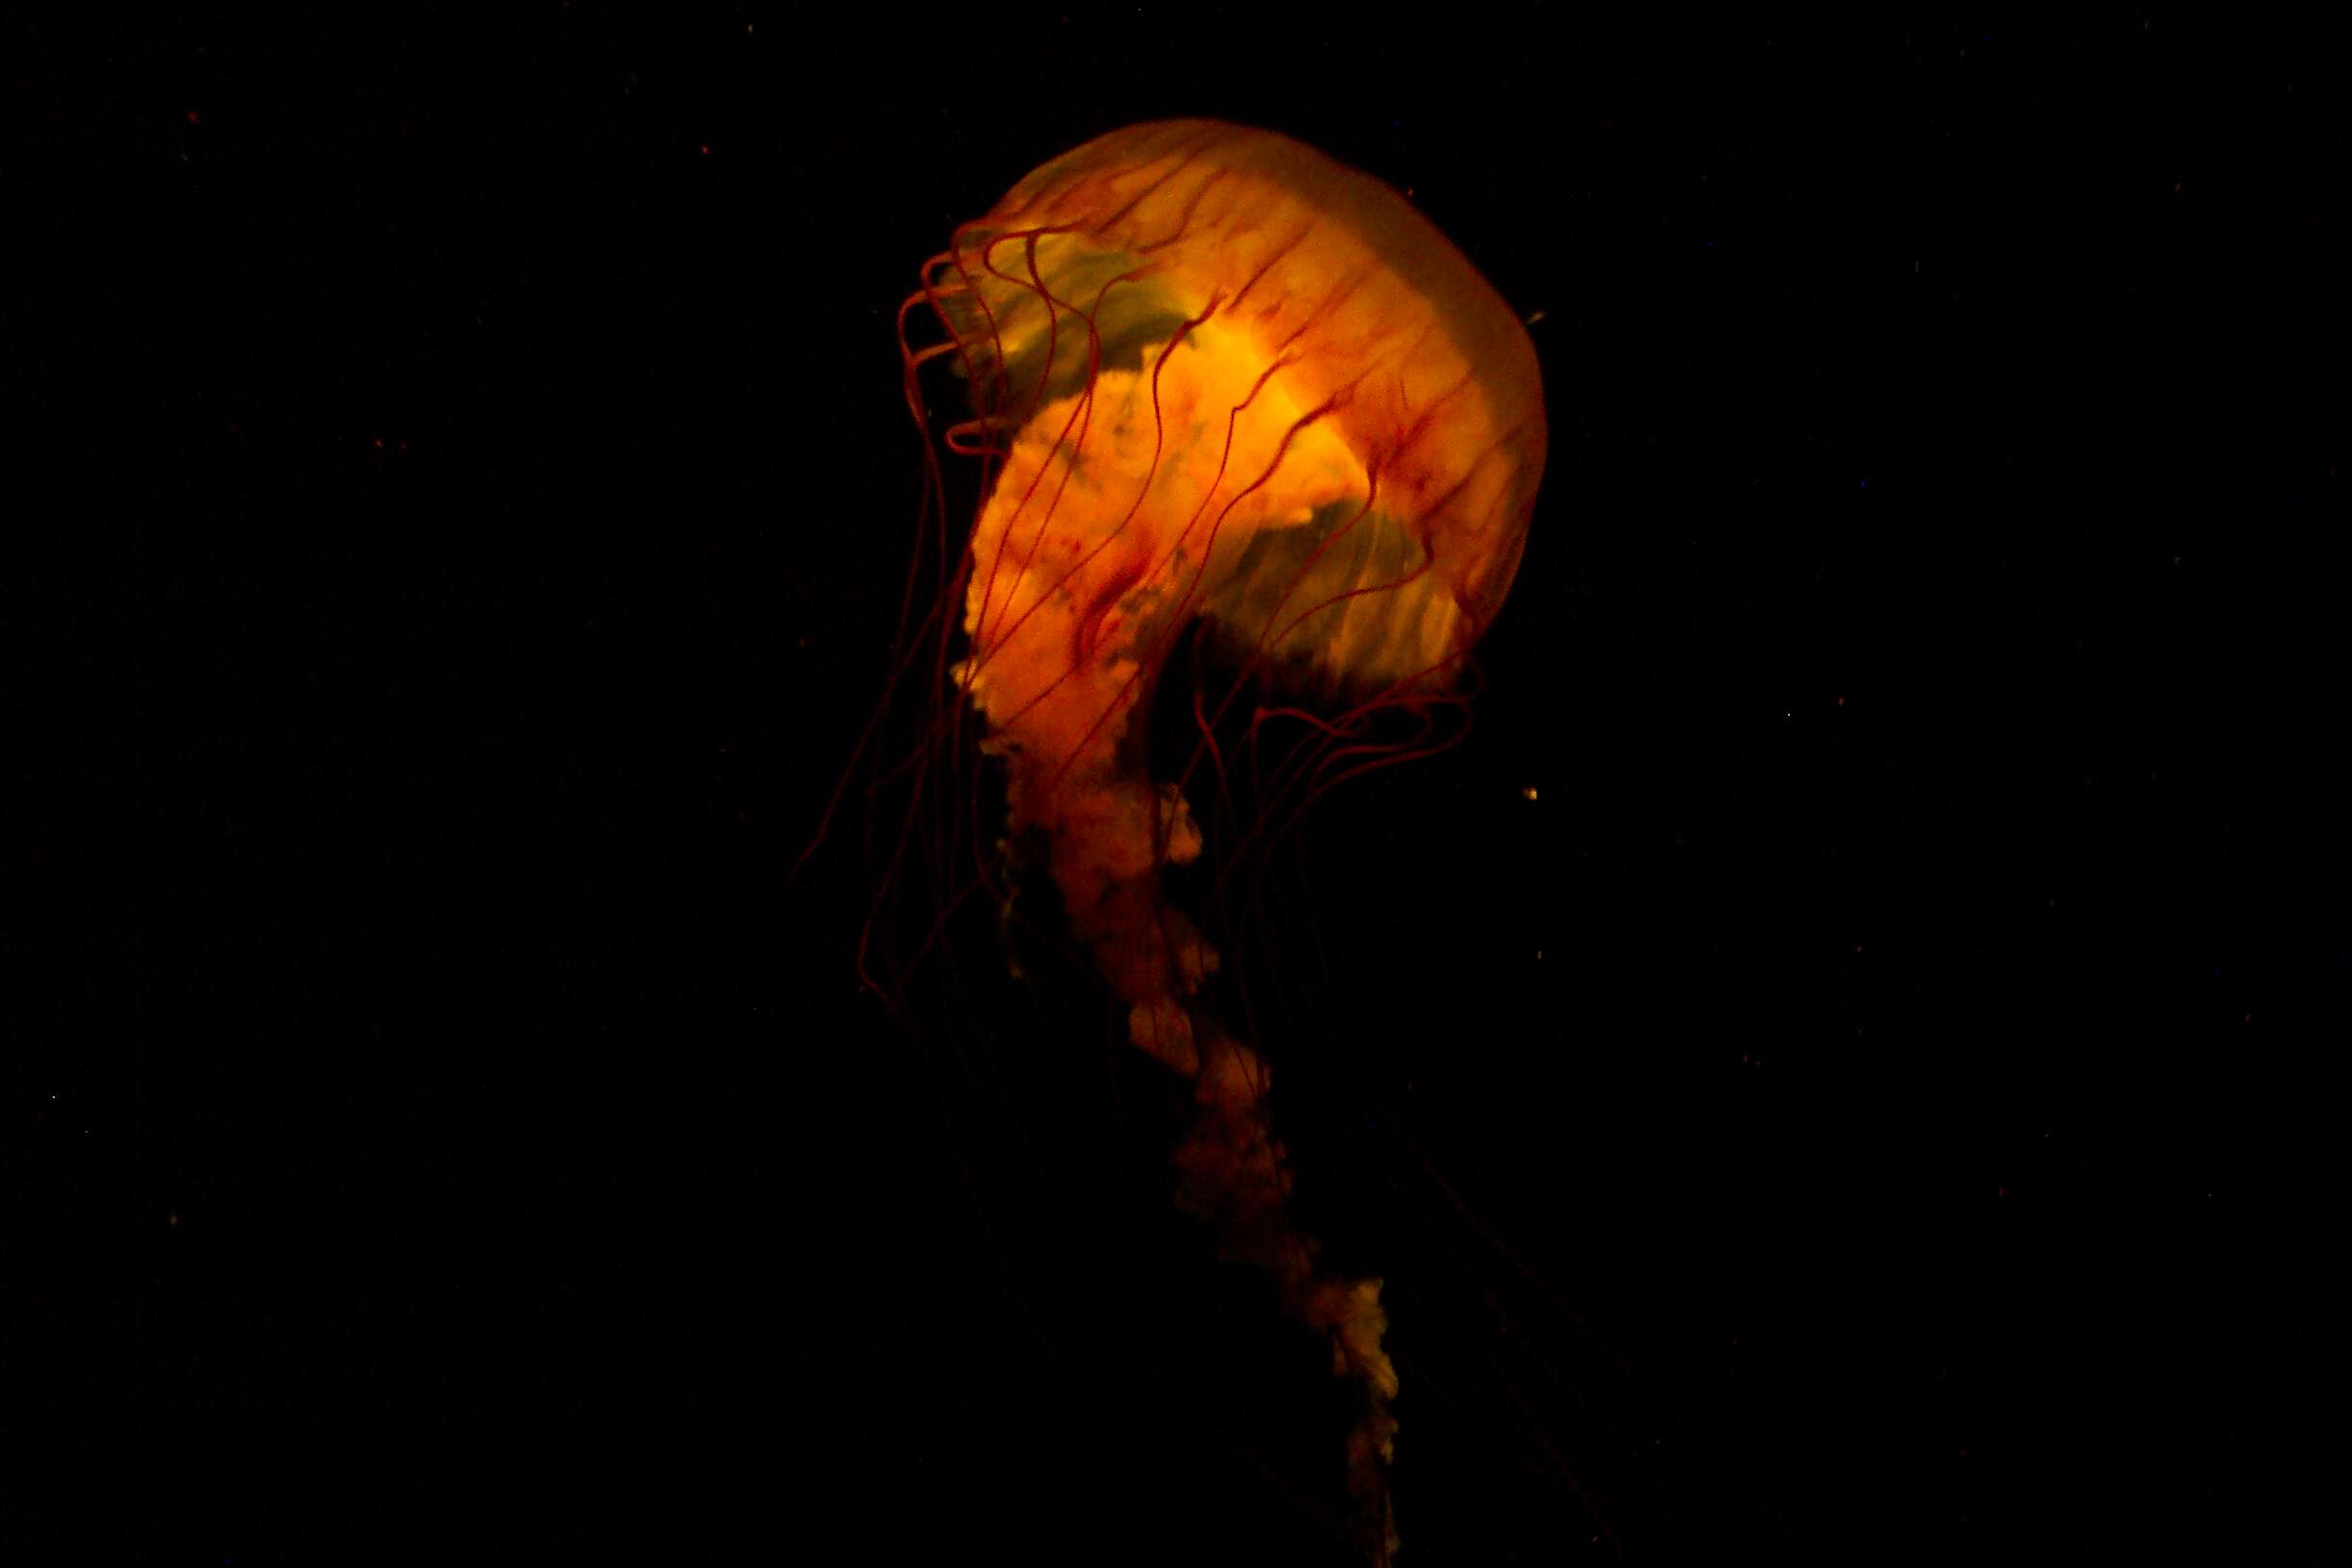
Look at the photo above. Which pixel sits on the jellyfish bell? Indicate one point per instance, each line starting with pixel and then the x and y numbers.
pixel 1284 400
pixel 1335 422
pixel 1223 387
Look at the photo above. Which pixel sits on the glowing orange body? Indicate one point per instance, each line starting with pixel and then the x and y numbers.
pixel 1221 378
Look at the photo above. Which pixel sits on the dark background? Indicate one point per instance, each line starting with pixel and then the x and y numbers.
pixel 1870 1107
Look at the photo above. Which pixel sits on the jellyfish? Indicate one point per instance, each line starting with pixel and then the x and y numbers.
pixel 1221 386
